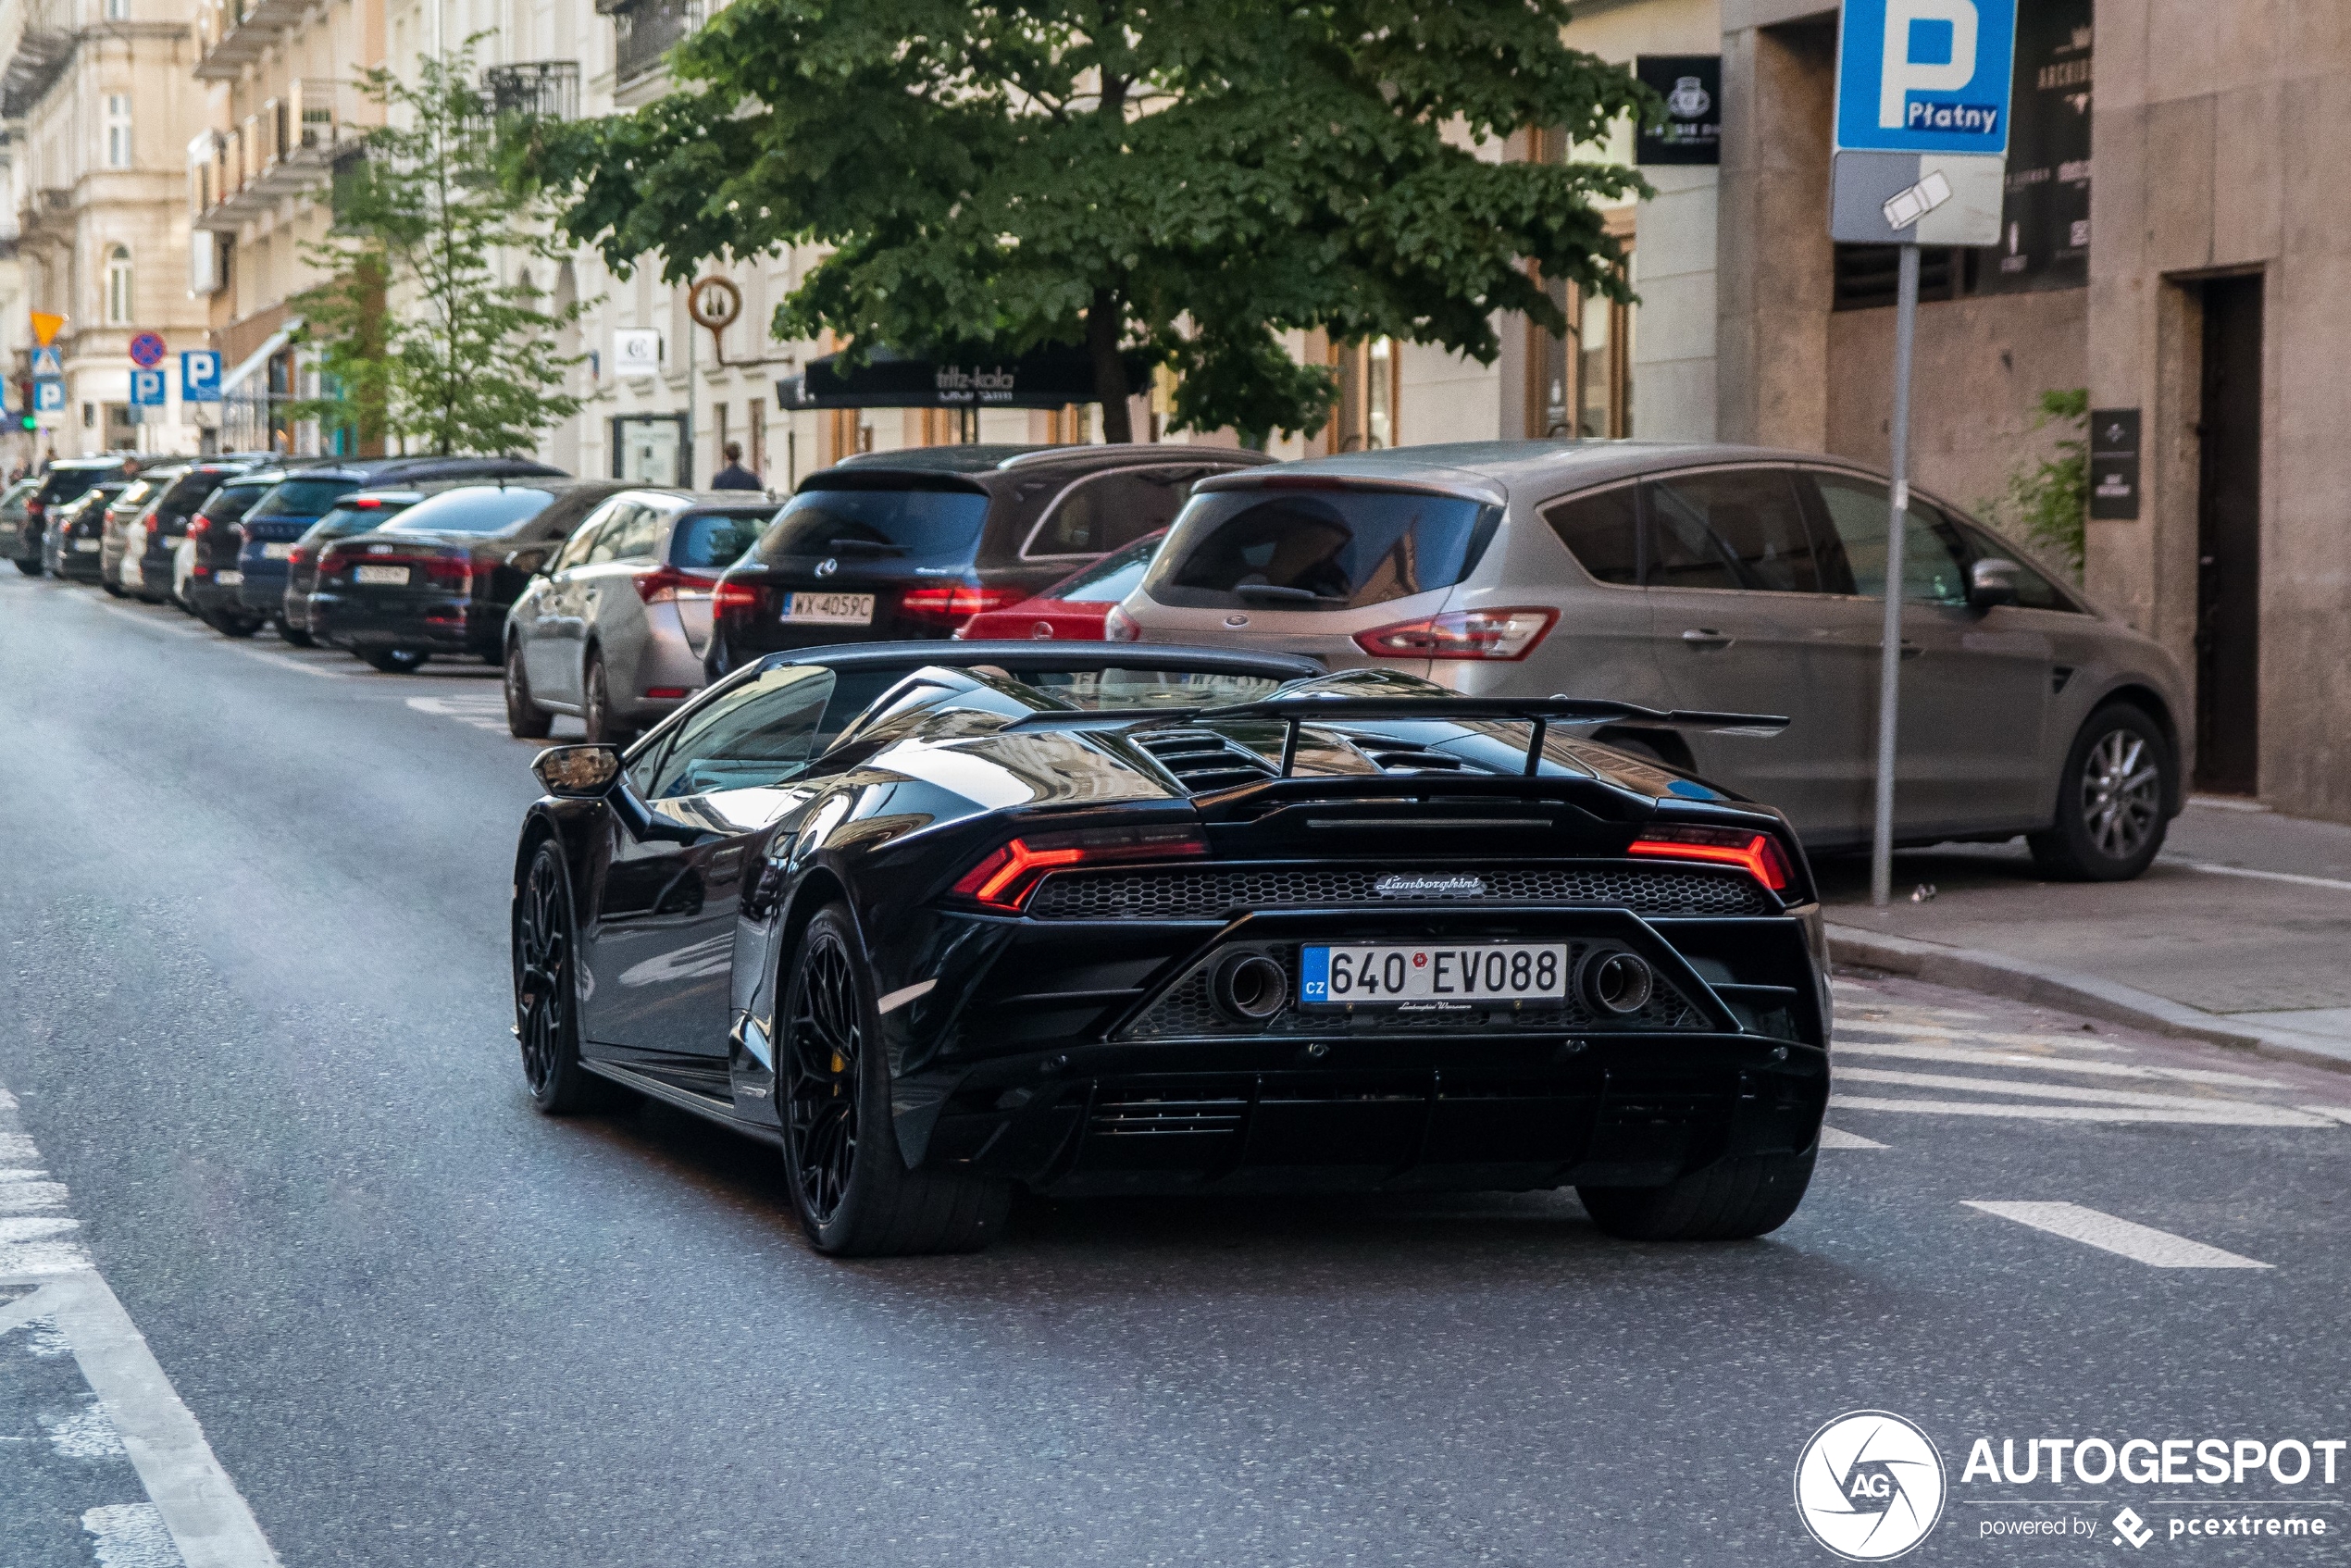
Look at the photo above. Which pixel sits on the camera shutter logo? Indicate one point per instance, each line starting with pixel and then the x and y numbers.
pixel 1870 1486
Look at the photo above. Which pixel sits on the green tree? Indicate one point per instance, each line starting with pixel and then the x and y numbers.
pixel 420 338
pixel 1177 182
pixel 2047 503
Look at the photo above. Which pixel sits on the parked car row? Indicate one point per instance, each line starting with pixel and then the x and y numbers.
pixel 1675 577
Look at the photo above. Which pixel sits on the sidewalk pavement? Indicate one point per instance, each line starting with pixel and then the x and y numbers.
pixel 2240 933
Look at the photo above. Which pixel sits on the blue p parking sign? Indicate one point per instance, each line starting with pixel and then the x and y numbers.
pixel 1925 76
pixel 199 376
pixel 146 389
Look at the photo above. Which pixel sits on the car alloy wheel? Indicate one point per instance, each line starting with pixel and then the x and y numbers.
pixel 2121 793
pixel 825 1042
pixel 547 994
pixel 526 720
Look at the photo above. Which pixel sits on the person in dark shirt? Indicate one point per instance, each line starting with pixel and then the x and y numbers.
pixel 734 476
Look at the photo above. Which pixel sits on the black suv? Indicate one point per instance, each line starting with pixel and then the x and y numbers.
pixel 21 535
pixel 913 544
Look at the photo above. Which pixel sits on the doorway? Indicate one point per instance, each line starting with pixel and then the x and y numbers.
pixel 2228 590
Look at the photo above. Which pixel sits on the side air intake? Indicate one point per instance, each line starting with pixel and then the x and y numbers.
pixel 1202 759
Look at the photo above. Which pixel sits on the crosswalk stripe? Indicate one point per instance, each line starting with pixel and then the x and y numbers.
pixel 2029 1089
pixel 2223 1113
pixel 1970 1056
pixel 2158 1248
pixel 1847 1026
pixel 1837 1138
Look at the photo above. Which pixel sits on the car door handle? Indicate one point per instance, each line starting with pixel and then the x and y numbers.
pixel 1706 636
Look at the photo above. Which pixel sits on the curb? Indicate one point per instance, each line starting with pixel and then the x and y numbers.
pixel 2020 979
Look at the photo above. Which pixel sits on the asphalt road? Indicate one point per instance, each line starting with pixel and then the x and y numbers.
pixel 253 1016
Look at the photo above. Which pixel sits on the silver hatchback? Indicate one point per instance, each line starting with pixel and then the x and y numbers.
pixel 1706 577
pixel 613 627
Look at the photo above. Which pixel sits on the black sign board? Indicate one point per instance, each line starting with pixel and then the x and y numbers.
pixel 1692 88
pixel 2114 464
pixel 2044 214
pixel 1044 378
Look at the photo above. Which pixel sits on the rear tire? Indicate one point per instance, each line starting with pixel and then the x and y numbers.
pixel 2111 798
pixel 1732 1199
pixel 604 728
pixel 526 720
pixel 849 1185
pixel 395 661
pixel 113 588
pixel 295 638
pixel 229 625
pixel 30 568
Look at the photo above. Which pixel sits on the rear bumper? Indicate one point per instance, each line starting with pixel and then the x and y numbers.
pixel 264 589
pixel 438 626
pixel 77 565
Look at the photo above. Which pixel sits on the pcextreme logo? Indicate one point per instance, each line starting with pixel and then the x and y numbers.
pixel 1870 1486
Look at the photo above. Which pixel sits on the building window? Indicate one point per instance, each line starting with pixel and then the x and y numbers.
pixel 118 300
pixel 1581 385
pixel 1369 389
pixel 118 11
pixel 117 131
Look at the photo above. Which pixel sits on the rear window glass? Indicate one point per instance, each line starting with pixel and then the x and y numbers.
pixel 231 501
pixel 715 539
pixel 304 498
pixel 1602 532
pixel 344 521
pixel 189 492
pixel 1110 578
pixel 66 483
pixel 1325 550
pixel 472 511
pixel 919 527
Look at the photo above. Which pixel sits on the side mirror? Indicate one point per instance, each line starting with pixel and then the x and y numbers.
pixel 1992 581
pixel 533 563
pixel 577 773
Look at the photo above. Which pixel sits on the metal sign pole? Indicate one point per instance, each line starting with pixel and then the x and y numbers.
pixel 1889 664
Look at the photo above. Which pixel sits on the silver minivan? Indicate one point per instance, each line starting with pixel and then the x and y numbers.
pixel 1709 577
pixel 613 627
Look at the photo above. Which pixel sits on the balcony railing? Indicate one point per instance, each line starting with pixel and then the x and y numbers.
pixel 546 89
pixel 231 34
pixel 286 147
pixel 644 31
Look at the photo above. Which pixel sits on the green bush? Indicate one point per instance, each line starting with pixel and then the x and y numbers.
pixel 2047 503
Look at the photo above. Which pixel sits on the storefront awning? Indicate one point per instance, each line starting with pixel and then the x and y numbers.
pixel 1044 378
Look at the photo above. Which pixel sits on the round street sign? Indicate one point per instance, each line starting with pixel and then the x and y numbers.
pixel 146 351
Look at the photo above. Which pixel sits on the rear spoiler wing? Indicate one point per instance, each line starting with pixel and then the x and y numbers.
pixel 1538 713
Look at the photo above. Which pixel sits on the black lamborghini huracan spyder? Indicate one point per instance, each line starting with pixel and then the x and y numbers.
pixel 948 919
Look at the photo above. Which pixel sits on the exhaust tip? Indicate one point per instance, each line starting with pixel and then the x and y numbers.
pixel 1618 983
pixel 1251 987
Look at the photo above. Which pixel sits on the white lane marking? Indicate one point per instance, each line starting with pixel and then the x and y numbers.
pixel 1966 1055
pixel 1987 1037
pixel 195 1503
pixel 2028 1089
pixel 2224 1113
pixel 84 1434
pixel 898 999
pixel 483 711
pixel 2158 1248
pixel 20 1195
pixel 153 622
pixel 131 1534
pixel 283 661
pixel 2295 877
pixel 1837 1138
pixel 2340 1112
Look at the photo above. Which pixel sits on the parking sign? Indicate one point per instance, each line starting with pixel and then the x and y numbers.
pixel 1922 90
pixel 49 394
pixel 199 376
pixel 146 389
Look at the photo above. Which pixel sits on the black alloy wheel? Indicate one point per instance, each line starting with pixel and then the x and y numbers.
pixel 2112 800
pixel 547 992
pixel 603 728
pixel 849 1184
pixel 526 720
pixel 395 661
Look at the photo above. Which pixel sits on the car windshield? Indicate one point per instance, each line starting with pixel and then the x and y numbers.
pixel 717 539
pixel 1316 549
pixel 303 498
pixel 476 509
pixel 231 501
pixel 912 526
pixel 1109 580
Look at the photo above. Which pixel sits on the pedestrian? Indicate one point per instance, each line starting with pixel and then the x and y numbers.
pixel 734 476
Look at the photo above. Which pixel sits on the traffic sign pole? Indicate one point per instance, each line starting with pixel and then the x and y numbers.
pixel 1889 660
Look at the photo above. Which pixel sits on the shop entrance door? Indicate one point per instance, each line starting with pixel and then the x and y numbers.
pixel 2228 621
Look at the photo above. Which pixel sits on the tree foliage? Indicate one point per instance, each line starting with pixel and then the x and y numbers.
pixel 420 339
pixel 1186 177
pixel 2048 501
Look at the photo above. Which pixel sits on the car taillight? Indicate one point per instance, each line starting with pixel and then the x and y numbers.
pixel 452 574
pixel 199 526
pixel 1005 879
pixel 663 584
pixel 1757 853
pixel 154 524
pixel 298 556
pixel 954 604
pixel 1461 634
pixel 1120 627
pixel 743 596
pixel 35 508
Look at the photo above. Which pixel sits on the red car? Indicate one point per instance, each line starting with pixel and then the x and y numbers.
pixel 1072 610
